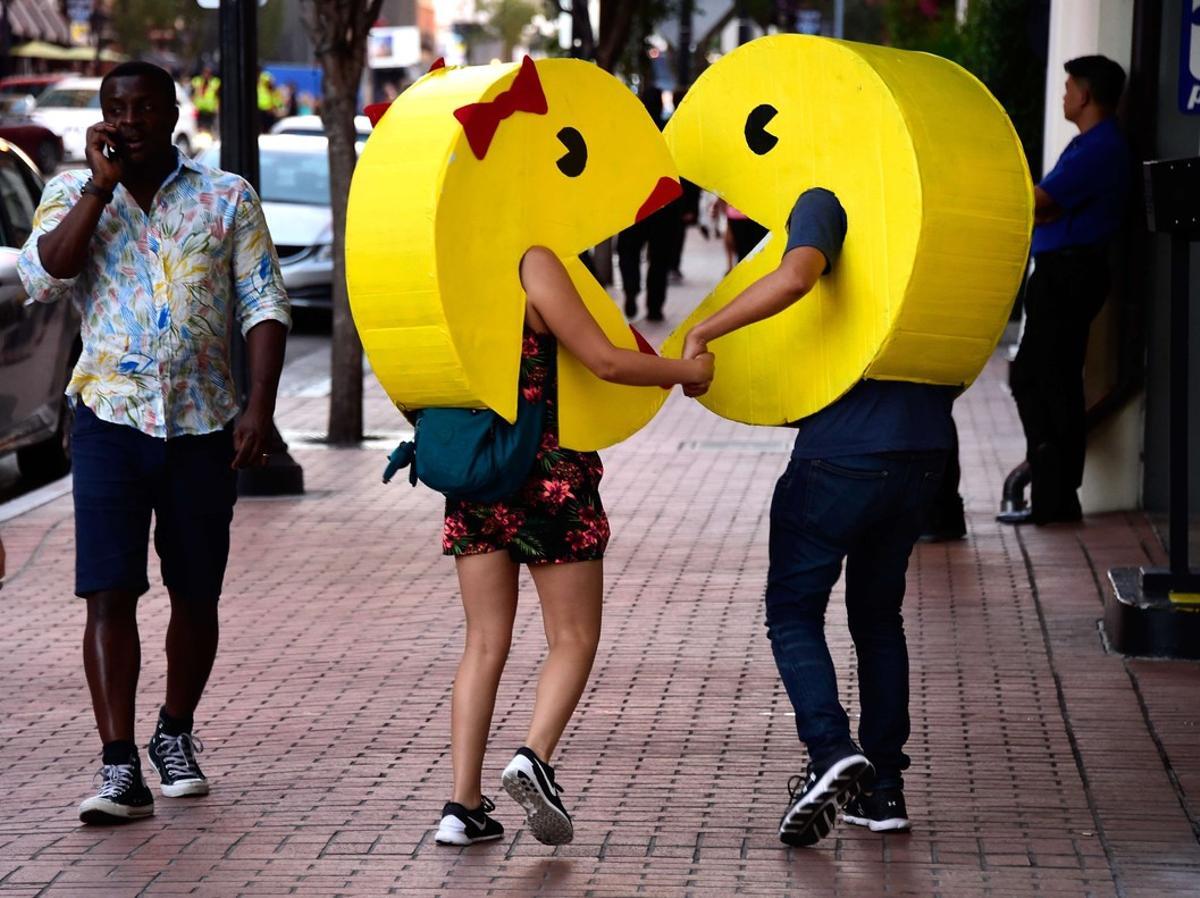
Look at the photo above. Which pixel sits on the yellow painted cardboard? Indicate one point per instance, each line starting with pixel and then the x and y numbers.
pixel 938 201
pixel 435 236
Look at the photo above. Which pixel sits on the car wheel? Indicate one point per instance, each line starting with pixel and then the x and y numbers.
pixel 47 157
pixel 51 458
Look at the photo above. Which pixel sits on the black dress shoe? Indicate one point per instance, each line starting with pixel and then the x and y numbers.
pixel 1019 516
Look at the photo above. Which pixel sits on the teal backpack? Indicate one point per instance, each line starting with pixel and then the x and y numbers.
pixel 471 454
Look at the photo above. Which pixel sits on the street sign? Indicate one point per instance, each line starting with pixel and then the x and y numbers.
pixel 1189 58
pixel 79 10
pixel 393 48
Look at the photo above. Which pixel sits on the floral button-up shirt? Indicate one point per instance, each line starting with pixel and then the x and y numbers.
pixel 159 295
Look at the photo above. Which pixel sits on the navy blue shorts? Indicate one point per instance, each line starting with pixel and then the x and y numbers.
pixel 121 476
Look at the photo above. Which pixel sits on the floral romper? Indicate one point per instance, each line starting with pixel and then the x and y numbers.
pixel 556 517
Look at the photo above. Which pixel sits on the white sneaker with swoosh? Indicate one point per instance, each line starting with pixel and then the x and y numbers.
pixel 460 826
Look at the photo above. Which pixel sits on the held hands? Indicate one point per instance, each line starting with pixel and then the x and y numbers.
pixel 106 171
pixel 696 347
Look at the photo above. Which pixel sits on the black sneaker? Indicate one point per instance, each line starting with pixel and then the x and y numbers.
pixel 530 782
pixel 174 757
pixel 462 827
pixel 813 809
pixel 631 308
pixel 883 811
pixel 123 796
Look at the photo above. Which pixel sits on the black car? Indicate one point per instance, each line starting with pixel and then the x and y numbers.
pixel 39 342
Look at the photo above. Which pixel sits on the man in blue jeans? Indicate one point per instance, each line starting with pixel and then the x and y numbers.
pixel 861 474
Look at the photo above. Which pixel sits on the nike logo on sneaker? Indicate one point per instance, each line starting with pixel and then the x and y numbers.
pixel 480 823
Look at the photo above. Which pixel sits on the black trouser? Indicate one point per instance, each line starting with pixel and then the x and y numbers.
pixel 1063 295
pixel 946 518
pixel 747 234
pixel 657 234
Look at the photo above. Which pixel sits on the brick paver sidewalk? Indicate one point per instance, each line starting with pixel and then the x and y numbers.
pixel 1042 764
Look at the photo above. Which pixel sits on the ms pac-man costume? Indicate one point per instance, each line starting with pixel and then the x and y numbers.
pixel 938 201
pixel 467 170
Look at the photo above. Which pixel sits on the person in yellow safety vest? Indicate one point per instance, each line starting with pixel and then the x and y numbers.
pixel 268 102
pixel 206 96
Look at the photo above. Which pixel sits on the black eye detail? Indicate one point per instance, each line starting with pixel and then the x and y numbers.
pixel 757 137
pixel 572 164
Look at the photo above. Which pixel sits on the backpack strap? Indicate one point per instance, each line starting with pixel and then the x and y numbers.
pixel 403 456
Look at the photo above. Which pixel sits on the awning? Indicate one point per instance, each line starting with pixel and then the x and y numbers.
pixel 43 50
pixel 38 20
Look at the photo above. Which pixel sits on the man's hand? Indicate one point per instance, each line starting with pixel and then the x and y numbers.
pixel 105 172
pixel 251 438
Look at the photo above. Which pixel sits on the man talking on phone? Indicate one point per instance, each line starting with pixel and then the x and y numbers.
pixel 161 256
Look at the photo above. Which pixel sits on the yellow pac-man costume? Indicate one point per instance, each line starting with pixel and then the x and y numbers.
pixel 467 170
pixel 938 201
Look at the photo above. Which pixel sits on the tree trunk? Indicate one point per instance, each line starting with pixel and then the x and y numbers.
pixel 346 354
pixel 581 30
pixel 616 21
pixel 338 31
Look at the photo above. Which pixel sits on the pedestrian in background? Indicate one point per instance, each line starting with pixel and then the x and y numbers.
pixel 1078 207
pixel 658 235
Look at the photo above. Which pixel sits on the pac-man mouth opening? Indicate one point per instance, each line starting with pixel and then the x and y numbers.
pixel 667 190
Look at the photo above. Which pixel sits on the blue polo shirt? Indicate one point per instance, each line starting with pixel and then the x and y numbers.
pixel 1090 182
pixel 874 415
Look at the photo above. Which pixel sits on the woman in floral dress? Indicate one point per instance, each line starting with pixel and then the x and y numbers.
pixel 555 524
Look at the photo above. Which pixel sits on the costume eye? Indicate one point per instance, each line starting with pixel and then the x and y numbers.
pixel 758 138
pixel 575 161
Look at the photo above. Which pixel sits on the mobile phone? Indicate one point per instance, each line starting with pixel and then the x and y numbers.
pixel 112 150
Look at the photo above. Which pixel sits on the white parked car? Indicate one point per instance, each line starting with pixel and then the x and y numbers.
pixel 294 174
pixel 312 126
pixel 72 106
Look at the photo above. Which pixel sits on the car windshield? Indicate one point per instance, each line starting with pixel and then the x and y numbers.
pixel 70 98
pixel 287 176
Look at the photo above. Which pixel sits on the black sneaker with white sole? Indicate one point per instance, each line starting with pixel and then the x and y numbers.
pixel 123 796
pixel 530 782
pixel 815 802
pixel 460 826
pixel 174 757
pixel 883 811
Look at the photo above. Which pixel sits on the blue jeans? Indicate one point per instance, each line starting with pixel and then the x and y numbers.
pixel 866 509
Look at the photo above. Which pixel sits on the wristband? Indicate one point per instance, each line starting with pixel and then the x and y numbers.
pixel 96 190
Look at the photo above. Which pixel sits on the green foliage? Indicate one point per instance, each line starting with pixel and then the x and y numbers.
pixel 998 47
pixel 995 43
pixel 508 19
pixel 928 25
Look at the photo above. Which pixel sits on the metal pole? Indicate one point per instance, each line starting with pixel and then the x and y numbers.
pixel 5 38
pixel 239 125
pixel 743 17
pixel 839 18
pixel 684 50
pixel 1181 250
pixel 239 74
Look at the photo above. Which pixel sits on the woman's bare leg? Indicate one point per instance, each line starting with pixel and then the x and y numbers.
pixel 489 596
pixel 571 596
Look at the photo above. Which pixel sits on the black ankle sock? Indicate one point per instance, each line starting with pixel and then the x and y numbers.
pixel 120 751
pixel 173 726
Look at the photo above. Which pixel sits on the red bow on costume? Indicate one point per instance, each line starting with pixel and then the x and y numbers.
pixel 480 120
